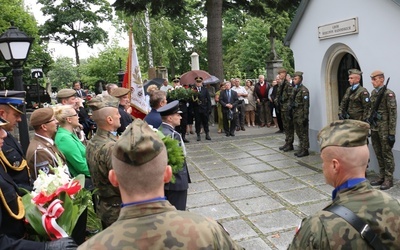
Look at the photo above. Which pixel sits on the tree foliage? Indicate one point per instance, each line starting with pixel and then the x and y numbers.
pixel 39 57
pixel 63 73
pixel 72 22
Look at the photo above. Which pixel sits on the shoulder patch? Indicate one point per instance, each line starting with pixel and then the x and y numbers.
pixel 365 93
pixel 366 99
pixel 306 97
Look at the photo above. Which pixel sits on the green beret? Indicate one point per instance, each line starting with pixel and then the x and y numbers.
pixel 100 102
pixel 376 73
pixel 355 71
pixel 344 133
pixel 41 116
pixel 65 93
pixel 298 73
pixel 282 70
pixel 120 92
pixel 138 144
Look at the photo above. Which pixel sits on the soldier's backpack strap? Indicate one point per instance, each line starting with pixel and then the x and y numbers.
pixel 363 228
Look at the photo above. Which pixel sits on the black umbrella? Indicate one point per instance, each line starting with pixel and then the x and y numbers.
pixel 155 81
pixel 211 80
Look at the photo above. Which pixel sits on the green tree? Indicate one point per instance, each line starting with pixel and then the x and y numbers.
pixel 63 73
pixel 73 22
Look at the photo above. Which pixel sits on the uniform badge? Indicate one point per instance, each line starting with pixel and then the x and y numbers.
pixel 306 97
pixel 390 94
pixel 366 99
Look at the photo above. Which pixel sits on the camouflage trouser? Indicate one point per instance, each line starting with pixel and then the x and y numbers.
pixel 302 133
pixel 108 212
pixel 288 127
pixel 383 153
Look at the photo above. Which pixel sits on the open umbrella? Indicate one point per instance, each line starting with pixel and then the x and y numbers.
pixel 188 77
pixel 155 81
pixel 211 80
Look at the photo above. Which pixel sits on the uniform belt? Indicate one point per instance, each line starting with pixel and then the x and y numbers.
pixel 363 228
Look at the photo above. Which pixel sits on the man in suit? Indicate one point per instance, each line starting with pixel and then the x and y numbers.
pixel 229 101
pixel 79 91
pixel 12 155
pixel 176 193
pixel 202 108
pixel 42 152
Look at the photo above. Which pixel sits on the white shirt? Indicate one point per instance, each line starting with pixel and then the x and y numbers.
pixel 240 90
pixel 166 88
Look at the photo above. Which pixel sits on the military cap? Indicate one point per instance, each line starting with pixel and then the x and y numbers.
pixel 170 108
pixel 282 70
pixel 176 79
pixel 344 133
pixel 138 144
pixel 100 102
pixel 3 122
pixel 198 79
pixel 376 73
pixel 298 73
pixel 65 93
pixel 120 92
pixel 13 98
pixel 41 116
pixel 355 72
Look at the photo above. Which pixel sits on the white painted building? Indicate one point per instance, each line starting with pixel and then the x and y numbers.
pixel 329 37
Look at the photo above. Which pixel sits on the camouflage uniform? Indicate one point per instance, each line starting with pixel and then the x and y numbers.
pixel 98 153
pixel 326 230
pixel 357 103
pixel 158 225
pixel 301 105
pixel 385 125
pixel 283 99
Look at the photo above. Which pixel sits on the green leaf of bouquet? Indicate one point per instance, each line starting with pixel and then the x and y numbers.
pixel 34 216
pixel 69 217
pixel 176 158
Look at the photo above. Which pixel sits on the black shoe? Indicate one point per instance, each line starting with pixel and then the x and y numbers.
pixel 198 138
pixel 303 153
pixel 386 185
pixel 227 135
pixel 282 147
pixel 232 134
pixel 243 129
pixel 288 148
pixel 377 182
pixel 208 137
pixel 185 140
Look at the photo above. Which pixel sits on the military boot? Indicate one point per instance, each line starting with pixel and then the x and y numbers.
pixel 198 137
pixel 388 183
pixel 303 153
pixel 377 182
pixel 288 148
pixel 284 146
pixel 184 139
pixel 208 136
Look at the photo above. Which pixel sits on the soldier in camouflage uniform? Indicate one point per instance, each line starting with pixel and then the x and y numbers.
pixel 98 152
pixel 147 220
pixel 301 105
pixel 345 156
pixel 383 130
pixel 355 103
pixel 283 100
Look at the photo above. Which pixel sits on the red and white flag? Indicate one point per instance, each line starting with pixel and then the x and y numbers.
pixel 133 81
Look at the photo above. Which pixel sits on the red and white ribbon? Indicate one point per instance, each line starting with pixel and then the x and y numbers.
pixel 49 217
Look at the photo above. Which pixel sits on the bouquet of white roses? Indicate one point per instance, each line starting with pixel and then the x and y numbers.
pixel 55 204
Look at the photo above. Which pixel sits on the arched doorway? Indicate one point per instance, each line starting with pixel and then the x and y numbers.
pixel 339 58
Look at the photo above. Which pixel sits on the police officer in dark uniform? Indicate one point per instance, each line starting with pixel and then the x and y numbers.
pixel 12 155
pixel 202 108
pixel 123 95
pixel 12 213
pixel 176 193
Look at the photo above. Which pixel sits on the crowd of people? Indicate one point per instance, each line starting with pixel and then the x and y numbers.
pixel 126 162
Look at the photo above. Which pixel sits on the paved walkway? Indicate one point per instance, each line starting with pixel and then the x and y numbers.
pixel 259 194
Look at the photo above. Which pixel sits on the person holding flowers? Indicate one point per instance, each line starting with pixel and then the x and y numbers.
pixel 12 216
pixel 75 154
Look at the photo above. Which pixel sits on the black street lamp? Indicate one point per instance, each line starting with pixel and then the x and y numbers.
pixel 120 73
pixel 14 49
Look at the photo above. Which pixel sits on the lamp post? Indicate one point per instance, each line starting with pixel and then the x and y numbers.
pixel 120 73
pixel 14 49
